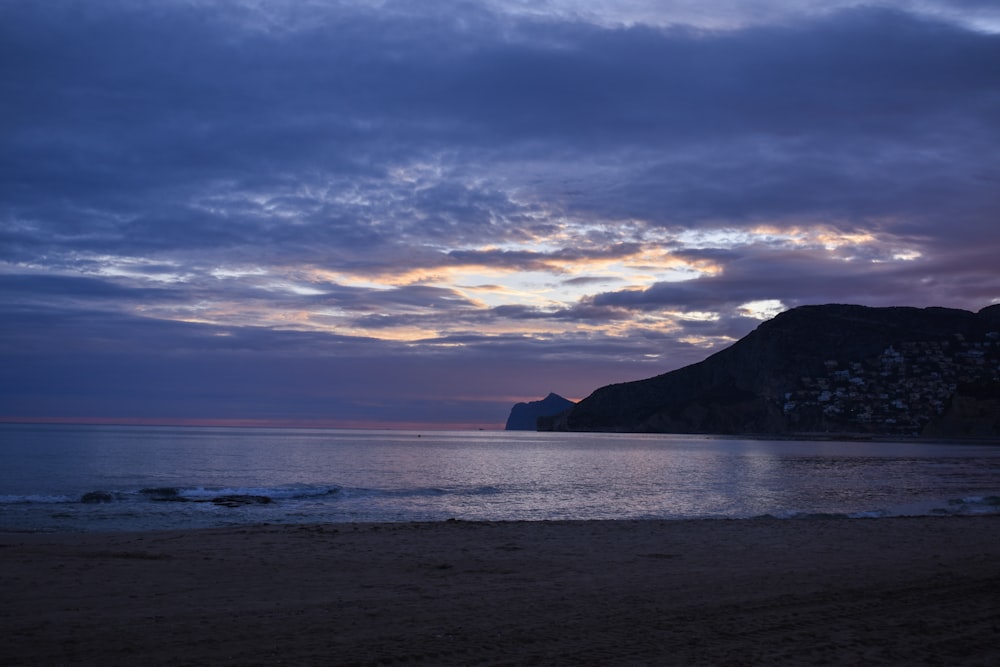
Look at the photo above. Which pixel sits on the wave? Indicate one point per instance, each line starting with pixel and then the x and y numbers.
pixel 802 515
pixel 33 498
pixel 419 492
pixel 334 502
pixel 967 506
pixel 223 494
pixel 174 494
pixel 974 505
pixel 203 494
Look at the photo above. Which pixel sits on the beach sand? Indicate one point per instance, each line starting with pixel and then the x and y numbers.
pixel 905 591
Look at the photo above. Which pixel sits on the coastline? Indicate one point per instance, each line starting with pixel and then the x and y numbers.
pixel 908 590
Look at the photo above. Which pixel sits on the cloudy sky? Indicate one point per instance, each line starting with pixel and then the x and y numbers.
pixel 365 213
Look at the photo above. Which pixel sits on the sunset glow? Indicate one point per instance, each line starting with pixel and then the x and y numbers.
pixel 384 213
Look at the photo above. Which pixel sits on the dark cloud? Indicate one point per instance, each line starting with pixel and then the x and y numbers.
pixel 527 260
pixel 859 116
pixel 799 277
pixel 589 280
pixel 280 183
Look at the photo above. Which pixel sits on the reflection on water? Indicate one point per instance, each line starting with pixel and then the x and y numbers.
pixel 392 475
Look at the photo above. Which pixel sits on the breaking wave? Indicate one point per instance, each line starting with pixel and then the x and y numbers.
pixel 174 494
pixel 967 506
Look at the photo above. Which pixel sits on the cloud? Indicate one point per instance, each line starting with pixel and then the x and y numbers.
pixel 499 186
pixel 850 117
pixel 85 364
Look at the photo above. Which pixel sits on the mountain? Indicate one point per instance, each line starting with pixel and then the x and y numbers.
pixel 524 416
pixel 822 369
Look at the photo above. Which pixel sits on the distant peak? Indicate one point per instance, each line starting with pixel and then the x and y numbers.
pixel 524 416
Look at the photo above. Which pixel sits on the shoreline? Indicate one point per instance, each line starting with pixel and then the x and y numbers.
pixel 899 590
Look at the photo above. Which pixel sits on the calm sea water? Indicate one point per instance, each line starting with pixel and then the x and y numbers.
pixel 83 478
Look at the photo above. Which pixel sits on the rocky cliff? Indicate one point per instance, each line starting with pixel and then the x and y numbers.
pixel 524 416
pixel 819 369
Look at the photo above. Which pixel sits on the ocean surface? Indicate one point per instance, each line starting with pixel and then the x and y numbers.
pixel 89 478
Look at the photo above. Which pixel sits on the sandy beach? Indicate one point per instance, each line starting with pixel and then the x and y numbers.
pixel 905 591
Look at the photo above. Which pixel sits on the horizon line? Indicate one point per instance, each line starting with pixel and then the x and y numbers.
pixel 254 423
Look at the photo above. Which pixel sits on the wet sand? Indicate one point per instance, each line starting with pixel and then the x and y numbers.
pixel 920 591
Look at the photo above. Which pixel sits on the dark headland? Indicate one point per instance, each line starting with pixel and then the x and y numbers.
pixel 524 416
pixel 830 369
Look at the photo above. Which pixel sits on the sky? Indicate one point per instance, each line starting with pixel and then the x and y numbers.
pixel 415 214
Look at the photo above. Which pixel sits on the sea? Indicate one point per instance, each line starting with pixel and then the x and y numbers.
pixel 59 478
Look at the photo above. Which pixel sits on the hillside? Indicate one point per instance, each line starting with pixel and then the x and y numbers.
pixel 524 416
pixel 817 369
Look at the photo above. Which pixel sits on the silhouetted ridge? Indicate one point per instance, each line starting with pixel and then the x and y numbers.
pixel 524 416
pixel 831 368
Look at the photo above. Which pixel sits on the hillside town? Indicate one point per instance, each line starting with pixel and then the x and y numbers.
pixel 900 391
